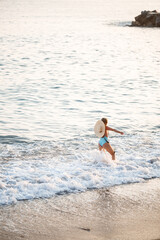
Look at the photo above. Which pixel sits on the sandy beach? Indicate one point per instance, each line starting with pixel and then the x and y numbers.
pixel 125 212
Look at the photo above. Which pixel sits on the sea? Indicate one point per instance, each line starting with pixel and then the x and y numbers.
pixel 64 64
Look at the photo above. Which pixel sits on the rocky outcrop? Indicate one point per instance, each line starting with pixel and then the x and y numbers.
pixel 147 19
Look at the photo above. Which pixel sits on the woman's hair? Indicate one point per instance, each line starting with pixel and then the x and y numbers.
pixel 105 120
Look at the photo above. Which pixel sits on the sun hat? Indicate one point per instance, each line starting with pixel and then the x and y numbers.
pixel 99 128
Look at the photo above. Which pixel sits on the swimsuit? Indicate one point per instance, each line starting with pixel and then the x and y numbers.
pixel 103 140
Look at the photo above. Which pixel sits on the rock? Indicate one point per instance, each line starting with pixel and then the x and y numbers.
pixel 158 21
pixel 135 23
pixel 147 19
pixel 140 19
pixel 148 24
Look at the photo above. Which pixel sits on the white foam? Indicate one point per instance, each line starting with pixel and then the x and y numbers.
pixel 30 179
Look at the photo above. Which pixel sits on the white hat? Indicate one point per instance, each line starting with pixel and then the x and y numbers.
pixel 99 128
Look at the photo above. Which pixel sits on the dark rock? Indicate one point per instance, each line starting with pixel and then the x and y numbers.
pixel 135 24
pixel 148 24
pixel 157 22
pixel 147 19
pixel 154 11
pixel 141 19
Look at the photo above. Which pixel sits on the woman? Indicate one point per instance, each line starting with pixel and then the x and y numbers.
pixel 101 130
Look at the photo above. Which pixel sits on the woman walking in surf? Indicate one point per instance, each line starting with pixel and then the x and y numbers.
pixel 102 130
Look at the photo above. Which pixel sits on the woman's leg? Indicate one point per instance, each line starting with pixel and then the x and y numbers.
pixel 107 146
pixel 100 147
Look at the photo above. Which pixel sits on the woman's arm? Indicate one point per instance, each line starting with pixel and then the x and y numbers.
pixel 114 130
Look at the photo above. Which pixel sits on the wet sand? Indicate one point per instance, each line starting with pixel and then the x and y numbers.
pixel 126 212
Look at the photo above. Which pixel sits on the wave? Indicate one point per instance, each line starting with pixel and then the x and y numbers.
pixel 119 23
pixel 44 169
pixel 12 139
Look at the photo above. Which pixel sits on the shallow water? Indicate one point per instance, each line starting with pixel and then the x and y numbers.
pixel 64 65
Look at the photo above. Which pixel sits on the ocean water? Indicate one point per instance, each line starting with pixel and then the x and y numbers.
pixel 64 64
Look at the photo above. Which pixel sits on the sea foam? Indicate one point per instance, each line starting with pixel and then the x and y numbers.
pixel 40 177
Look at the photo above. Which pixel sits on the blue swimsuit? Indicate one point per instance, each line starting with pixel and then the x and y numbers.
pixel 103 140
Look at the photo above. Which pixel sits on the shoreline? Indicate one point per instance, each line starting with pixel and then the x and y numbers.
pixel 124 212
